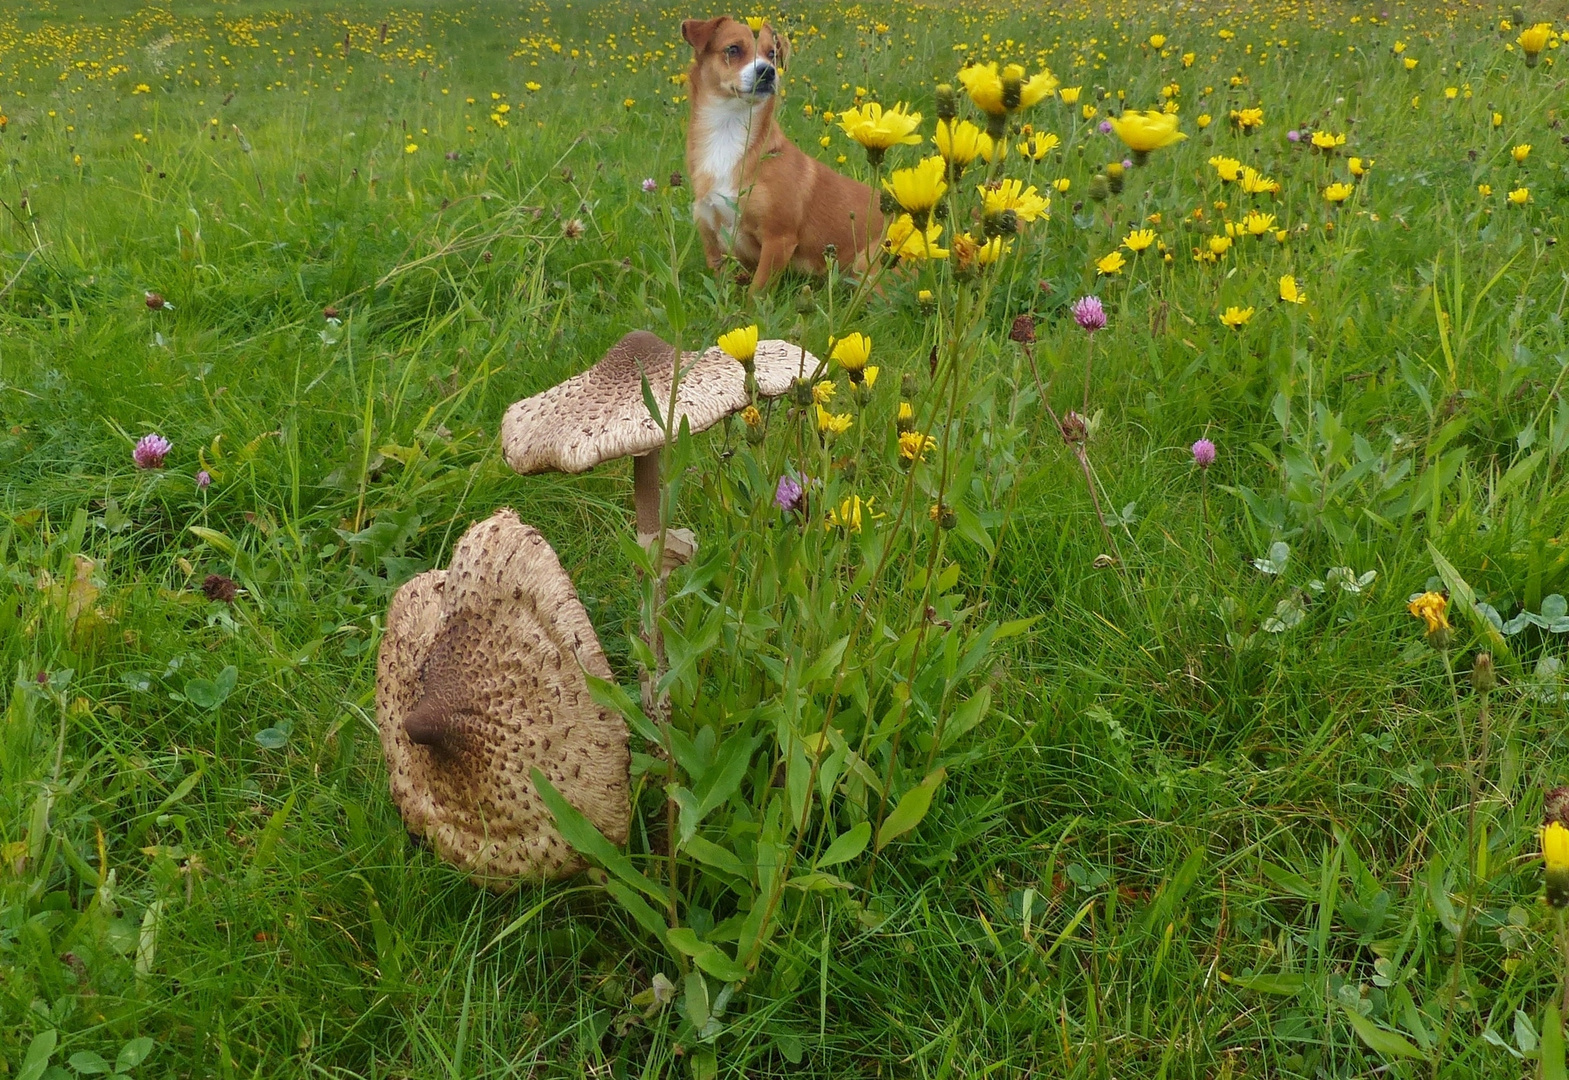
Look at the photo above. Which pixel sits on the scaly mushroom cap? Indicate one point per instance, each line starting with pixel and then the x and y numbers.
pixel 778 364
pixel 484 662
pixel 600 414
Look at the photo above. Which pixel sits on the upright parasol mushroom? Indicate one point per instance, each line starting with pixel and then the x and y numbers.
pixel 479 681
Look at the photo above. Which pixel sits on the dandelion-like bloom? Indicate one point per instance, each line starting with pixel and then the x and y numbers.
pixel 150 451
pixel 1089 313
pixel 1219 245
pixel 1037 146
pixel 1410 63
pixel 1026 204
pixel 1338 192
pixel 917 190
pixel 740 343
pixel 1146 130
pixel 1247 120
pixel 848 514
pixel 1484 190
pixel 823 392
pixel 970 252
pixel 850 353
pixel 1359 167
pixel 905 241
pixel 1326 143
pixel 203 479
pixel 1236 317
pixel 913 446
pixel 1139 239
pixel 1227 168
pixel 1110 264
pixel 958 142
pixel 833 423
pixel 1519 196
pixel 1203 453
pixel 787 496
pixel 1070 94
pixel 1520 153
pixel 1533 40
pixel 1555 858
pixel 999 93
pixel 1289 292
pixel 877 128
pixel 1258 224
pixel 751 417
pixel 1433 609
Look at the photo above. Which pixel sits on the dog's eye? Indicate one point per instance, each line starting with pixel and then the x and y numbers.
pixel 770 54
pixel 732 51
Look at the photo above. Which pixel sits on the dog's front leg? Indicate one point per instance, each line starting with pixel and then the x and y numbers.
pixel 711 249
pixel 777 252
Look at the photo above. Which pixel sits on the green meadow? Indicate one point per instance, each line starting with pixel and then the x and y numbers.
pixel 1044 750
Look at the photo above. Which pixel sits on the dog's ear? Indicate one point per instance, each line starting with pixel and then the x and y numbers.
pixel 781 49
pixel 699 32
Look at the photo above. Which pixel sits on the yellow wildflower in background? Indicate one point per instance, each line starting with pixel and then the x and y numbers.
pixel 823 392
pixel 849 512
pixel 1520 196
pixel 1289 292
pixel 1069 95
pixel 1038 146
pixel 877 128
pixel 1555 860
pixel 740 343
pixel 1110 264
pixel 1533 40
pixel 1338 192
pixel 913 446
pixel 918 189
pixel 833 423
pixel 958 143
pixel 1258 224
pixel 1433 609
pixel 1520 153
pixel 990 89
pixel 1227 168
pixel 851 351
pixel 1139 239
pixel 1025 203
pixel 905 241
pixel 1146 130
pixel 1236 317
pixel 1484 190
pixel 1357 167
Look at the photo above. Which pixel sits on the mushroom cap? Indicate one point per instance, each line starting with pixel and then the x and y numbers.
pixel 600 414
pixel 495 649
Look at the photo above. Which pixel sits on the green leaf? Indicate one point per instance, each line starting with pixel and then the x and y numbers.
pixel 267 846
pixel 719 858
pixel 826 663
pixel 38 1053
pixel 587 840
pixel 1463 597
pixel 638 908
pixel 88 1063
pixel 609 695
pixel 1553 1045
pixel 912 808
pixel 724 778
pixel 133 1054
pixel 967 716
pixel 210 693
pixel 1287 984
pixel 847 845
pixel 707 956
pixel 1389 1044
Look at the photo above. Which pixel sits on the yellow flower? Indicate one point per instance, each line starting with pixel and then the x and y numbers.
pixel 968 251
pixel 1227 168
pixel 924 297
pixel 1069 95
pixel 1203 120
pixel 1139 239
pixel 1110 264
pixel 906 413
pixel 409 148
pixel 833 423
pixel 958 143
pixel 1555 858
pixel 1089 111
pixel 754 23
pixel 1498 119
pixel 1338 192
pixel 869 376
pixel 1521 152
pixel 1258 224
pixel 1248 119
pixel 992 150
pixel 1036 147
pixel 1236 317
pixel 1534 39
pixel 984 86
pixel 1157 41
pixel 1035 89
pixel 905 241
pixel 877 129
pixel 751 417
pixel 823 392
pixel 918 189
pixel 1062 184
pixel 848 515
pixel 1327 142
pixel 1219 245
pixel 1256 183
pixel 1012 195
pixel 629 102
pixel 1410 63
pixel 1358 167
pixel 740 343
pixel 1289 291
pixel 1188 58
pixel 1451 92
pixel 1398 47
pixel 1280 236
pixel 1484 190
pixel 1144 130
pixel 913 446
pixel 1520 196
pixel 1432 608
pixel 851 351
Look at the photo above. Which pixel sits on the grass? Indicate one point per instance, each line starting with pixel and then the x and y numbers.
pixel 1182 844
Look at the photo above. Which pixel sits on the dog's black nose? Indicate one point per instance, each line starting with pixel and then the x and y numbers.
pixel 765 77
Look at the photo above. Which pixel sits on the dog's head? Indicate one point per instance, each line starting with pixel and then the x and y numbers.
pixel 729 59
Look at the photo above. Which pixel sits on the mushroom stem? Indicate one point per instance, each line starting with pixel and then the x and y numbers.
pixel 645 491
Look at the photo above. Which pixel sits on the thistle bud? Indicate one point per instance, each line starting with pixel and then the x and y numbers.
pixel 996 126
pixel 1555 806
pixel 909 385
pixel 1483 676
pixel 947 103
pixel 1100 187
pixel 801 392
pixel 1003 223
pixel 944 516
pixel 1074 430
pixel 805 302
pixel 887 203
pixel 1115 177
pixel 1023 330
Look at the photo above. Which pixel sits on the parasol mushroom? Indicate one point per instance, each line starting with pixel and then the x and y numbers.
pixel 600 414
pixel 480 680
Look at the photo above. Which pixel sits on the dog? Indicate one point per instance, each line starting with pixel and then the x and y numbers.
pixel 755 196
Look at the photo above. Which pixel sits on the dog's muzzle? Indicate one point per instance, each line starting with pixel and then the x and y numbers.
pixel 759 77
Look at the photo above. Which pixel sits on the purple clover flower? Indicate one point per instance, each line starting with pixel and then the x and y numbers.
pixel 787 496
pixel 203 479
pixel 1088 313
pixel 650 186
pixel 1127 163
pixel 1203 453
pixel 1294 135
pixel 150 451
pixel 1105 127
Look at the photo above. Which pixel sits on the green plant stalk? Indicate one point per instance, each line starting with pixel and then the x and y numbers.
pixel 1470 894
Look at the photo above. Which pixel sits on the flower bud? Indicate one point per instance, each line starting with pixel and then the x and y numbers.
pixel 887 203
pixel 1012 90
pixel 1074 430
pixel 1100 187
pixel 801 392
pixel 1023 330
pixel 1114 177
pixel 1004 223
pixel 1483 676
pixel 909 386
pixel 805 302
pixel 947 103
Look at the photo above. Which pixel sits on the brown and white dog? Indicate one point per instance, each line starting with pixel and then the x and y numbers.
pixel 755 195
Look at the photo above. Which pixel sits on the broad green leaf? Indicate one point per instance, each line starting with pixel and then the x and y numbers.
pixel 723 780
pixel 1553 1067
pixel 1463 598
pixel 1382 1041
pixel 611 696
pixel 1286 984
pixel 638 908
pixel 912 808
pixel 826 663
pixel 587 840
pixel 88 1063
pixel 38 1053
pixel 133 1054
pixel 210 693
pixel 709 957
pixel 847 845
pixel 966 716
pixel 719 858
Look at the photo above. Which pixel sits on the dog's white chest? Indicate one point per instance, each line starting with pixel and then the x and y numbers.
pixel 722 133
